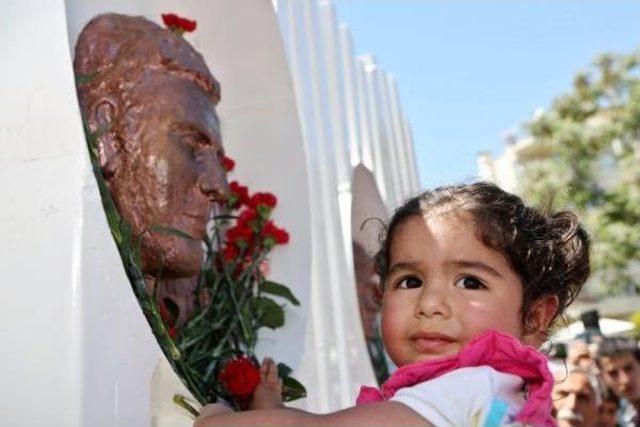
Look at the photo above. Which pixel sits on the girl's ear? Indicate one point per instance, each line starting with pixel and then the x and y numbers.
pixel 542 312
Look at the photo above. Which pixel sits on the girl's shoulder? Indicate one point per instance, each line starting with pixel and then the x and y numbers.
pixel 466 396
pixel 490 372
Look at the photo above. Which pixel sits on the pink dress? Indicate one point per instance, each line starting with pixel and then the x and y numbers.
pixel 500 351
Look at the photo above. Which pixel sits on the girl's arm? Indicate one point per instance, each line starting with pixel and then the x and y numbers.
pixel 370 415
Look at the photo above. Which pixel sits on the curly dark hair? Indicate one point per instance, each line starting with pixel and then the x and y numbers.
pixel 617 346
pixel 550 253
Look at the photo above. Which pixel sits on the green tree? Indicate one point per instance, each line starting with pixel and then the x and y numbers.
pixel 591 137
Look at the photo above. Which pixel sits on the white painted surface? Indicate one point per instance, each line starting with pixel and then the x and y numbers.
pixel 368 210
pixel 75 341
pixel 348 115
pixel 44 168
pixel 328 353
pixel 76 345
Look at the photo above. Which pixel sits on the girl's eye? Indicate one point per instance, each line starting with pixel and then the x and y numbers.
pixel 468 282
pixel 409 283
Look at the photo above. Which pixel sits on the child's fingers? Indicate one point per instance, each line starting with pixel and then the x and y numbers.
pixel 214 409
pixel 269 372
pixel 264 367
pixel 272 373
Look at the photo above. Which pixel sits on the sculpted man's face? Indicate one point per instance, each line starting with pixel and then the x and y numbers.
pixel 168 173
pixel 368 289
pixel 151 99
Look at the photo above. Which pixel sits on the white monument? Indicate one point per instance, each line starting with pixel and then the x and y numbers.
pixel 299 113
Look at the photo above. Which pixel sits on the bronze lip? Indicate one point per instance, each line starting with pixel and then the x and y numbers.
pixel 197 224
pixel 197 217
pixel 431 336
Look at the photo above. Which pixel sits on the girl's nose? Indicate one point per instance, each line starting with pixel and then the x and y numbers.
pixel 432 302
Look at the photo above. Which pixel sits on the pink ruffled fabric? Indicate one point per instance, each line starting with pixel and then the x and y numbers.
pixel 492 348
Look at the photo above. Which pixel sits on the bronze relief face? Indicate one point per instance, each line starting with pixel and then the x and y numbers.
pixel 151 99
pixel 368 290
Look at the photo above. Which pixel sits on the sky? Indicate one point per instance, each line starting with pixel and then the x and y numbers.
pixel 470 71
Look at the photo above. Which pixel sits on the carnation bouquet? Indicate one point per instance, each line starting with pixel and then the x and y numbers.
pixel 234 300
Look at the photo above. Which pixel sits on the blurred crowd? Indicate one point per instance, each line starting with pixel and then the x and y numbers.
pixel 597 382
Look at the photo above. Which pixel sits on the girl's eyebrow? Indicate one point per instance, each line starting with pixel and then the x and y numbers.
pixel 407 265
pixel 463 263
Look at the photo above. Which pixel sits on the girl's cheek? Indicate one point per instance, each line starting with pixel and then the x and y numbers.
pixel 391 319
pixel 392 338
pixel 480 317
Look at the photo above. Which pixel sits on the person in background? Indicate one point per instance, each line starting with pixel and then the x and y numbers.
pixel 579 355
pixel 608 410
pixel 619 362
pixel 575 400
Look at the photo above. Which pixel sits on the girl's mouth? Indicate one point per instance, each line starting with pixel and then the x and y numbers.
pixel 430 341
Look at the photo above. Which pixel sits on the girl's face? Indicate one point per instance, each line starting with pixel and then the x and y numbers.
pixel 444 287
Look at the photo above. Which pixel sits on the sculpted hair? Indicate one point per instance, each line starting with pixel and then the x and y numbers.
pixel 550 253
pixel 116 54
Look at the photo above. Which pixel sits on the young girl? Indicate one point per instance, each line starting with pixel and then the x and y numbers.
pixel 472 278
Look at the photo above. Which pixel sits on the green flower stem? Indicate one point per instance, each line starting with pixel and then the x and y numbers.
pixel 196 382
pixel 181 401
pixel 239 315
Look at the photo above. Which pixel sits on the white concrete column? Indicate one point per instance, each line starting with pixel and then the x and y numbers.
pixel 389 148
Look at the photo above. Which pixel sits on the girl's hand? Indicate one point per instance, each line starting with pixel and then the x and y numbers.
pixel 268 394
pixel 214 409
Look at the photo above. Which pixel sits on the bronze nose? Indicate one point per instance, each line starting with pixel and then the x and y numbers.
pixel 213 181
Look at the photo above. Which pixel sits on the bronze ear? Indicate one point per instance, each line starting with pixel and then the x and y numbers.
pixel 108 143
pixel 104 112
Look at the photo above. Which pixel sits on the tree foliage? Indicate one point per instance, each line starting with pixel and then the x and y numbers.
pixel 591 137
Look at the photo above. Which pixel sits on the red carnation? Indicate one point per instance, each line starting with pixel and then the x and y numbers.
pixel 248 218
pixel 169 19
pixel 279 235
pixel 178 24
pixel 230 253
pixel 228 164
pixel 239 195
pixel 240 377
pixel 240 235
pixel 264 199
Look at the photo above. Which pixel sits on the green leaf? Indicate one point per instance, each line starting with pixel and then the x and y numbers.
pixel 270 313
pixel 171 231
pixel 292 389
pixel 264 211
pixel 283 370
pixel 274 288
